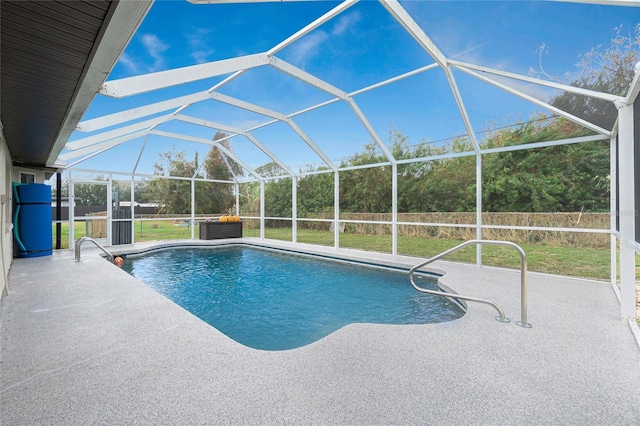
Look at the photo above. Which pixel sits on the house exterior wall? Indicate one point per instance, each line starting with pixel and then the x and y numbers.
pixel 6 226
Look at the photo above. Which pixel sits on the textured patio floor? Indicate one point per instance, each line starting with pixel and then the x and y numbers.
pixel 85 343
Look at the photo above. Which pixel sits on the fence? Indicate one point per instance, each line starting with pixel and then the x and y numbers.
pixel 461 226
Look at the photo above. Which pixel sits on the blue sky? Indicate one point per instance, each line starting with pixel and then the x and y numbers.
pixel 360 47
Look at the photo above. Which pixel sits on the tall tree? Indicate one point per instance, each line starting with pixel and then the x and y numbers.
pixel 366 190
pixel 277 192
pixel 174 196
pixel 216 197
pixel 217 165
pixel 85 194
pixel 315 193
pixel 559 178
pixel 210 197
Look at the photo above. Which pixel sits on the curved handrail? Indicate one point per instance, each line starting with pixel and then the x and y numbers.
pixel 79 242
pixel 523 280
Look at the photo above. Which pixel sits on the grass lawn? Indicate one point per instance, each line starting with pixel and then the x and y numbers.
pixel 589 263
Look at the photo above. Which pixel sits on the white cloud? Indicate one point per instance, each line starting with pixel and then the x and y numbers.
pixel 128 62
pixel 199 43
pixel 346 23
pixel 155 48
pixel 202 56
pixel 197 39
pixel 307 47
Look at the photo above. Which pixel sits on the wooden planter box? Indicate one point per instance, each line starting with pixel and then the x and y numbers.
pixel 218 230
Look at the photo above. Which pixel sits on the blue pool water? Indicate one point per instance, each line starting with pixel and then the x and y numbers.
pixel 275 301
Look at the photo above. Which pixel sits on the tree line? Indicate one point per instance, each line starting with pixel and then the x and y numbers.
pixel 557 178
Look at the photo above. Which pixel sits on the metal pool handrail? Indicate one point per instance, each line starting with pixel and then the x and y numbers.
pixel 523 280
pixel 79 242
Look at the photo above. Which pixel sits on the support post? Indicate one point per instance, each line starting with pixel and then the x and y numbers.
pixel 58 210
pixel 133 209
pixel 394 209
pixel 192 220
pixel 236 189
pixel 613 208
pixel 626 186
pixel 479 208
pixel 109 211
pixel 262 209
pixel 336 209
pixel 72 203
pixel 294 209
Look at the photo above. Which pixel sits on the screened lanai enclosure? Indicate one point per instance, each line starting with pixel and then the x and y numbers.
pixel 400 127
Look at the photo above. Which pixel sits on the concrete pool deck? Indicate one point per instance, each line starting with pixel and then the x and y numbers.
pixel 86 343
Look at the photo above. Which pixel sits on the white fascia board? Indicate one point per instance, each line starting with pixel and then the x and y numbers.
pixel 101 146
pixel 59 165
pixel 311 144
pixel 209 124
pixel 538 102
pixel 401 15
pixel 144 111
pixel 269 154
pixel 90 140
pixel 559 86
pixel 312 26
pixel 210 143
pixel 462 108
pixel 296 72
pixel 158 80
pixel 247 106
pixel 115 34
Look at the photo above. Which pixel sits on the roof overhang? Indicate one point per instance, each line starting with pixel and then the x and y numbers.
pixel 55 57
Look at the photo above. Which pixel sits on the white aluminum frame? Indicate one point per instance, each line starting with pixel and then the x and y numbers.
pixel 83 149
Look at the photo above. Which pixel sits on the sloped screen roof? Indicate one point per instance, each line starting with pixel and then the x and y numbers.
pixel 306 84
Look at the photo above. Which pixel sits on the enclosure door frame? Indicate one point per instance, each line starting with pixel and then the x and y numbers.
pixel 72 217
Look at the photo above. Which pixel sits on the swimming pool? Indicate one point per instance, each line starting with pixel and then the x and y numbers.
pixel 274 300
